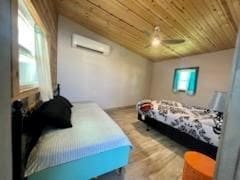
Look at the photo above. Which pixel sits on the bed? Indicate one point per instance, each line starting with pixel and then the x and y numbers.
pixel 94 146
pixel 195 127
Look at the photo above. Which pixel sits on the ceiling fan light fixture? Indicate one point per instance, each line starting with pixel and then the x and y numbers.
pixel 156 41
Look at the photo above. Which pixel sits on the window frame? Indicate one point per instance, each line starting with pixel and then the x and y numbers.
pixel 186 68
pixel 24 11
pixel 18 91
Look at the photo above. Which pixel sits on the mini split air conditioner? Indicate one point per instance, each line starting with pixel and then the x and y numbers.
pixel 89 44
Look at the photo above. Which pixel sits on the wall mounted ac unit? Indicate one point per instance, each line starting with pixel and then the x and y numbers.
pixel 79 41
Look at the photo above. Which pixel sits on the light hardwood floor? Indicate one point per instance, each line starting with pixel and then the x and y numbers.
pixel 154 156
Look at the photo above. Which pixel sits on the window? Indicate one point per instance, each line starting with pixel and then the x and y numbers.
pixel 26 42
pixel 185 80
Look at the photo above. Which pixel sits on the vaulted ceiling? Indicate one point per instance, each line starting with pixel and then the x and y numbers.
pixel 206 25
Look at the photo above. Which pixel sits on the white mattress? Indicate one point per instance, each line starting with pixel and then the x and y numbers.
pixel 93 132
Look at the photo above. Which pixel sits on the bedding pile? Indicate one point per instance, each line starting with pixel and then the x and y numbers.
pixel 145 106
pixel 198 122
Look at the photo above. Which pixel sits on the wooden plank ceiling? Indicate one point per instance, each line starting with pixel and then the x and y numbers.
pixel 206 25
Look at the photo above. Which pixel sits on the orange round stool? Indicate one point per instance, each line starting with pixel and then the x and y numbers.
pixel 198 166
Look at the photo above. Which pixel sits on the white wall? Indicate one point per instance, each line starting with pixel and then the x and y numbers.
pixel 121 79
pixel 214 74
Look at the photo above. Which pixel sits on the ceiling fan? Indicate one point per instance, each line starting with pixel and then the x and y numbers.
pixel 157 40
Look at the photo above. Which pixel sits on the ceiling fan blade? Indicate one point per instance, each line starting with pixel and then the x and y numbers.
pixel 173 41
pixel 147 34
pixel 147 46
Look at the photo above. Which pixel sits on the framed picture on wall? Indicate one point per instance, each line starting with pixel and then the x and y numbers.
pixel 185 80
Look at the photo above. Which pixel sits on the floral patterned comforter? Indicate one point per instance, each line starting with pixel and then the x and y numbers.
pixel 200 123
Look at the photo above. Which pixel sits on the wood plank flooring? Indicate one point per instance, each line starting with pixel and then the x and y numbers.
pixel 154 155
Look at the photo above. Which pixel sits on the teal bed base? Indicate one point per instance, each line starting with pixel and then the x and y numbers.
pixel 86 168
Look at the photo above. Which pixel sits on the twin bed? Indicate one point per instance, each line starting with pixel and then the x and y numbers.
pixel 195 127
pixel 93 146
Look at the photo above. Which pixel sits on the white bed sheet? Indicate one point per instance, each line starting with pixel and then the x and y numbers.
pixel 93 132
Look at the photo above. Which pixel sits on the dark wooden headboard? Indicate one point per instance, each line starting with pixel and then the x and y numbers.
pixel 22 143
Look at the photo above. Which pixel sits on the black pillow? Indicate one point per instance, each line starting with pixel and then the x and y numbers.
pixel 56 113
pixel 64 100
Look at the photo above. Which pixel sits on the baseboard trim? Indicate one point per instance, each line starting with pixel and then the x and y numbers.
pixel 119 108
